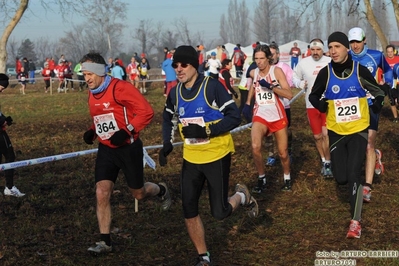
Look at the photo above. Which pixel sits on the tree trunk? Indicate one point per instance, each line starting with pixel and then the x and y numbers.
pixel 395 5
pixel 374 24
pixel 7 32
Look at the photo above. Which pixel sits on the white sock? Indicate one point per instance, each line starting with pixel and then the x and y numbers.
pixel 323 160
pixel 327 161
pixel 242 195
pixel 287 177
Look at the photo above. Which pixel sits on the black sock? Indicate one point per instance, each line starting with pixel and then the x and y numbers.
pixel 368 185
pixel 106 238
pixel 162 190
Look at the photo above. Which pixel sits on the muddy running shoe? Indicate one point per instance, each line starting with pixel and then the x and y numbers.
pixel 261 186
pixel 253 208
pixel 202 262
pixel 271 161
pixel 355 230
pixel 100 248
pixel 166 198
pixel 379 167
pixel 366 194
pixel 327 171
pixel 243 189
pixel 287 185
pixel 14 191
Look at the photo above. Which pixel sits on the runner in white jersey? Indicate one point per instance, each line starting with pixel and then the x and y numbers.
pixel 271 160
pixel 305 74
pixel 269 87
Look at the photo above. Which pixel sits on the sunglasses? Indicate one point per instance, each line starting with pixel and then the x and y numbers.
pixel 183 65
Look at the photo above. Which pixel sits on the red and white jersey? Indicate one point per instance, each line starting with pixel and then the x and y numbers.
pixel 59 70
pixel 46 73
pixel 132 69
pixel 268 105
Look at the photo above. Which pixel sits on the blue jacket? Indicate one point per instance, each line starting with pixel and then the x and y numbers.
pixel 169 70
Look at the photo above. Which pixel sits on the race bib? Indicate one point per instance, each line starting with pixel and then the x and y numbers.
pixel 347 110
pixel 106 125
pixel 194 120
pixel 265 97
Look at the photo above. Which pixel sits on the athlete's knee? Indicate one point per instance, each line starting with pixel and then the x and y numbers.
pixel 221 214
pixel 318 137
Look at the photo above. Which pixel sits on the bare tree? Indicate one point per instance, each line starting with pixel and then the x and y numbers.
pixel 235 29
pixel 186 36
pixel 143 34
pixel 12 50
pixel 8 30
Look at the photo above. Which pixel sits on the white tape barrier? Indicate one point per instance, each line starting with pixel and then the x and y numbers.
pixel 146 158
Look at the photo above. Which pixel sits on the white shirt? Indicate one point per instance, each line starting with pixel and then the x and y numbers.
pixel 307 70
pixel 214 64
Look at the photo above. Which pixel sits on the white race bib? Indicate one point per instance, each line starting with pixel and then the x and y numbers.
pixel 347 110
pixel 265 97
pixel 106 125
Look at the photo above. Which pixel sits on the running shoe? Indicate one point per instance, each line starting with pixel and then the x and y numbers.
pixel 202 262
pixel 366 194
pixel 14 191
pixel 355 230
pixel 253 208
pixel 243 189
pixel 166 198
pixel 379 167
pixel 327 171
pixel 287 185
pixel 260 186
pixel 271 161
pixel 100 248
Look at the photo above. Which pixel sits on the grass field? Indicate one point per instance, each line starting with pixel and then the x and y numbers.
pixel 55 222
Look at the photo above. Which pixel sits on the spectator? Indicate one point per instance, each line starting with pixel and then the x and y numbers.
pixel 6 148
pixel 32 69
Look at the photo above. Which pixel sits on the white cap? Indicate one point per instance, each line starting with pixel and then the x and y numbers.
pixel 356 34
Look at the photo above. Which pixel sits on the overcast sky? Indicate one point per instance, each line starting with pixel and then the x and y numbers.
pixel 201 15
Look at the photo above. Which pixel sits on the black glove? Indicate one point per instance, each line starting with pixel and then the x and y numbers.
pixel 167 148
pixel 194 131
pixel 88 136
pixel 9 120
pixel 394 93
pixel 378 103
pixel 265 84
pixel 235 95
pixel 247 112
pixel 323 105
pixel 119 137
pixel 386 88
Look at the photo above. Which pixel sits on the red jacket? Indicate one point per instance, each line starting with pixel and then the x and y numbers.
pixel 119 105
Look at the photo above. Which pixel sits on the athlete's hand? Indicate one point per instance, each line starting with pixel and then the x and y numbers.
pixel 265 84
pixel 119 137
pixel 378 103
pixel 88 136
pixel 247 112
pixel 323 105
pixel 194 131
pixel 166 149
pixel 9 120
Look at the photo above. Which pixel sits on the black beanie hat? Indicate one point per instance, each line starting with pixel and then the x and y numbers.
pixel 339 37
pixel 3 80
pixel 186 54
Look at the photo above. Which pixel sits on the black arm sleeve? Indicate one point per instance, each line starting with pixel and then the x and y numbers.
pixel 226 75
pixel 319 87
